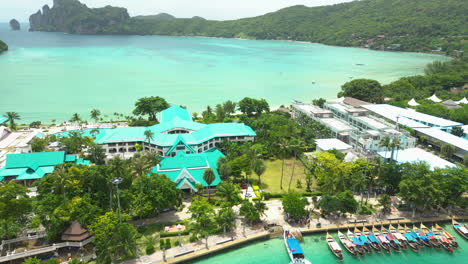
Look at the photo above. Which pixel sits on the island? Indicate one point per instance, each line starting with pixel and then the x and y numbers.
pixel 3 47
pixel 15 25
pixel 396 25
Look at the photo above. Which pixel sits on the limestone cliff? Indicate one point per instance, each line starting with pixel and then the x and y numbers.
pixel 15 25
pixel 71 16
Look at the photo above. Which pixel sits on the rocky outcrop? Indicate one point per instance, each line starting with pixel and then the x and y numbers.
pixel 71 16
pixel 3 47
pixel 15 25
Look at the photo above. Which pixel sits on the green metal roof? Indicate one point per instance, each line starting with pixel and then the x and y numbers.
pixel 180 141
pixel 172 112
pixel 190 167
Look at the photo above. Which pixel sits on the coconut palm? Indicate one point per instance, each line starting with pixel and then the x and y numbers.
pixel 284 149
pixel 259 168
pixel 140 168
pixel 297 146
pixel 385 143
pixel 229 192
pixel 149 135
pixel 12 117
pixel 209 176
pixel 95 114
pixel 396 144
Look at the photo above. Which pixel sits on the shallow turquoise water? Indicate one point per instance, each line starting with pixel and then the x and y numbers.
pixel 48 76
pixel 316 250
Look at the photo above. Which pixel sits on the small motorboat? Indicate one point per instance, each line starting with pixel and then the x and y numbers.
pixel 350 246
pixel 422 236
pixel 463 231
pixel 363 239
pixel 408 239
pixel 447 235
pixel 432 239
pixel 443 241
pixel 384 243
pixel 394 243
pixel 358 243
pixel 374 242
pixel 294 249
pixel 398 236
pixel 334 247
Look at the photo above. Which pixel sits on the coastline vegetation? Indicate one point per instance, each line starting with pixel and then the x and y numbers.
pixel 3 47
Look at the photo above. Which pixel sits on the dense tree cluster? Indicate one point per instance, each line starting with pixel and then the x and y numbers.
pixel 3 47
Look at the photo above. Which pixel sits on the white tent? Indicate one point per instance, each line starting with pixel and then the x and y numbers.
pixel 462 101
pixel 434 98
pixel 413 102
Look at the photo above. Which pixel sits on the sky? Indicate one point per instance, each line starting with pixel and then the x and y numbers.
pixel 209 9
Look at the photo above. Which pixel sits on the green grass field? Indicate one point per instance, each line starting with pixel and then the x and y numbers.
pixel 272 176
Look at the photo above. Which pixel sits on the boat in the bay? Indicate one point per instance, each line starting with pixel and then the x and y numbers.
pixel 363 239
pixel 422 236
pixel 350 246
pixel 408 239
pixel 294 249
pixel 384 243
pixel 432 239
pixel 398 236
pixel 359 244
pixel 410 233
pixel 443 241
pixel 447 235
pixel 394 243
pixel 334 247
pixel 374 242
pixel 463 231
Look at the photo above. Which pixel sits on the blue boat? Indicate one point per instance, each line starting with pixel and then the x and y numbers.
pixel 295 252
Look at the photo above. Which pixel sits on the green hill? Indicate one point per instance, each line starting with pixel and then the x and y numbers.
pixel 416 25
pixel 3 47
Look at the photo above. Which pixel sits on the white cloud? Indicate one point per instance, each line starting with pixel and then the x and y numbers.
pixel 210 9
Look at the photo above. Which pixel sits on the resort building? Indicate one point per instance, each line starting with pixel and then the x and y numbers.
pixel 186 170
pixel 413 155
pixel 28 167
pixel 352 124
pixel 327 144
pixel 437 138
pixel 176 132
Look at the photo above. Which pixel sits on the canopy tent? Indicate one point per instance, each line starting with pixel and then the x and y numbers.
pixel 462 101
pixel 434 98
pixel 413 102
pixel 294 246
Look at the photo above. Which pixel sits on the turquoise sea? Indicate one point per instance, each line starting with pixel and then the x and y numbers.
pixel 49 76
pixel 316 250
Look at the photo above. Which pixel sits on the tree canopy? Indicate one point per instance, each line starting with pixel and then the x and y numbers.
pixel 363 89
pixel 150 106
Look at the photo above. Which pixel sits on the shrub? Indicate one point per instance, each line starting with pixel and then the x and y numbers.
pixel 268 195
pixel 142 229
pixel 365 210
pixel 168 243
pixel 149 249
pixel 171 234
pixel 255 187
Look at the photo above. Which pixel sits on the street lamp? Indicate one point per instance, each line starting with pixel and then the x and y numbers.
pixel 116 182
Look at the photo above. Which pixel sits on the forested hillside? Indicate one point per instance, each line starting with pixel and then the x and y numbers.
pixel 416 25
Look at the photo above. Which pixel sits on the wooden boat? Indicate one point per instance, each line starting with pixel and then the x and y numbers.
pixel 409 240
pixel 463 231
pixel 363 239
pixel 334 247
pixel 294 249
pixel 350 246
pixel 384 243
pixel 398 236
pixel 394 243
pixel 413 235
pixel 447 235
pixel 358 243
pixel 422 236
pixel 373 241
pixel 443 241
pixel 432 240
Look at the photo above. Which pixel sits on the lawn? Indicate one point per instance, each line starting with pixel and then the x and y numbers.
pixel 272 176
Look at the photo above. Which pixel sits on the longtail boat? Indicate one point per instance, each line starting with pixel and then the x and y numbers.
pixel 334 247
pixel 443 241
pixel 350 246
pixel 412 234
pixel 359 244
pixel 463 231
pixel 409 240
pixel 366 244
pixel 398 236
pixel 422 236
pixel 432 239
pixel 374 243
pixel 394 243
pixel 447 235
pixel 383 241
pixel 294 249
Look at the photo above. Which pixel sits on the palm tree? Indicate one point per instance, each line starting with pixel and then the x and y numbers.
pixel 296 145
pixel 209 176
pixel 284 148
pixel 385 143
pixel 225 171
pixel 149 135
pixel 76 119
pixel 12 116
pixel 259 168
pixel 95 114
pixel 396 143
pixel 229 192
pixel 140 169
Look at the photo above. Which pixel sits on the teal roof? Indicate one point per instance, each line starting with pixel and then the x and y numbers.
pixel 190 167
pixel 180 141
pixel 28 166
pixel 3 119
pixel 173 112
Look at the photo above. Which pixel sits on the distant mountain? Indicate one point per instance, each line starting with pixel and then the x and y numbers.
pixel 3 47
pixel 15 25
pixel 158 16
pixel 415 25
